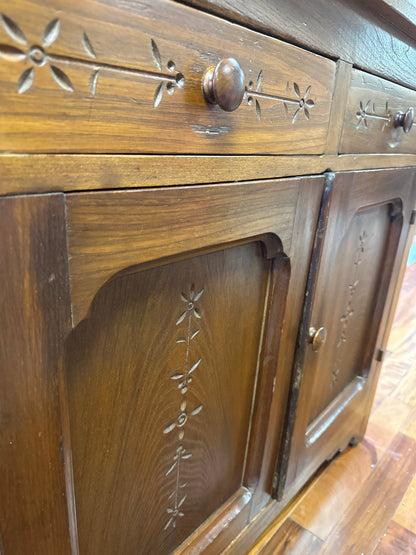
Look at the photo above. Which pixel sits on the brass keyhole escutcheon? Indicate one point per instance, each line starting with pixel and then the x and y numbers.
pixel 317 337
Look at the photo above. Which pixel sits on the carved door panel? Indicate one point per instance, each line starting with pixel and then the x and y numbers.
pixel 170 375
pixel 360 240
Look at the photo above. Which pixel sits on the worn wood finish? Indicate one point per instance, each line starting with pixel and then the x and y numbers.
pixel 376 503
pixel 336 119
pixel 335 387
pixel 396 540
pixel 350 30
pixel 127 78
pixel 291 538
pixel 100 225
pixel 337 486
pixel 369 116
pixel 35 318
pixel 63 172
pixel 124 366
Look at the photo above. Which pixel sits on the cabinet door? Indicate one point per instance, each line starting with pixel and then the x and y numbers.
pixel 178 300
pixel 361 236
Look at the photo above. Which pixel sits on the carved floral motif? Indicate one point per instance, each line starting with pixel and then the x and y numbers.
pixel 38 56
pixel 302 101
pixel 184 378
pixel 368 112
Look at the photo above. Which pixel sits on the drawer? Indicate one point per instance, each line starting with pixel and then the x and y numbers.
pixel 369 123
pixel 125 77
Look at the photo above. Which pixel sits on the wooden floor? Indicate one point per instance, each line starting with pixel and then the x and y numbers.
pixel 364 501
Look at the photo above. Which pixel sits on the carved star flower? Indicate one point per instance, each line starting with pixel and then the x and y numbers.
pixel 190 304
pixel 304 102
pixel 35 54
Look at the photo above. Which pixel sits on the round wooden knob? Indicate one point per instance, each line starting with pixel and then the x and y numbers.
pixel 224 84
pixel 317 337
pixel 405 120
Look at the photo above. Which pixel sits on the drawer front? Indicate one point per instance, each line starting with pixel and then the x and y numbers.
pixel 369 124
pixel 92 77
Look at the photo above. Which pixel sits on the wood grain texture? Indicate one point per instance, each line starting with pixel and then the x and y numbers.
pixel 369 116
pixel 353 31
pixel 166 222
pixel 306 216
pixel 126 77
pixel 365 521
pixel 340 97
pixel 396 540
pixel 364 191
pixel 35 318
pixel 161 379
pixel 291 538
pixel 62 172
pixel 406 512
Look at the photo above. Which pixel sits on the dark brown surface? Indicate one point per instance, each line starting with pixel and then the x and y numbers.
pixel 125 77
pixel 358 32
pixel 122 368
pixel 101 224
pixel 364 235
pixel 64 172
pixel 396 540
pixel 369 120
pixel 35 317
pixel 343 484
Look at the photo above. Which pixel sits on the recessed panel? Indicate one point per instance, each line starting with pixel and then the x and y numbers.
pixel 160 382
pixel 351 287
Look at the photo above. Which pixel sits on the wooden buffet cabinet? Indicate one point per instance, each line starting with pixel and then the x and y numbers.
pixel 204 216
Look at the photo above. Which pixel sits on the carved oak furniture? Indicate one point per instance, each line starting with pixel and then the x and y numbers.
pixel 204 215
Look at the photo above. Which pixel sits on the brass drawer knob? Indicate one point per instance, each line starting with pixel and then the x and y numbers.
pixel 224 84
pixel 317 337
pixel 405 120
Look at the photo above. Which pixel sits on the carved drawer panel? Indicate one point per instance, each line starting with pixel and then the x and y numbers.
pixel 373 121
pixel 98 76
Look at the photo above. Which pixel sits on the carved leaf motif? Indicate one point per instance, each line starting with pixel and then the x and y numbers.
pixel 181 501
pixel 308 90
pixel 158 96
pixel 88 46
pixel 194 334
pixel 285 108
pixel 176 376
pixel 306 112
pixel 93 81
pixel 169 428
pixel 310 103
pixel 156 55
pixel 192 292
pixel 13 30
pixel 194 366
pixel 182 316
pixel 181 340
pixel 296 87
pixel 26 80
pixel 295 115
pixel 199 295
pixel 197 410
pixel 197 313
pixel 258 110
pixel 51 32
pixel 61 78
pixel 259 80
pixel 183 297
pixel 11 53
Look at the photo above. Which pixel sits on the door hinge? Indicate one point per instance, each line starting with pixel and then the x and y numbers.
pixel 413 217
pixel 380 355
